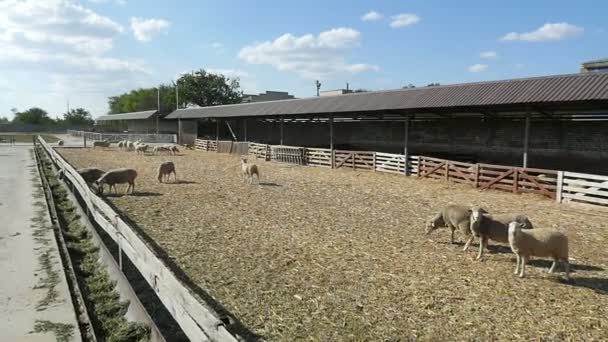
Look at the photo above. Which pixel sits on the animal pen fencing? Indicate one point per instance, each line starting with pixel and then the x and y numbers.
pixel 114 137
pixel 198 321
pixel 558 185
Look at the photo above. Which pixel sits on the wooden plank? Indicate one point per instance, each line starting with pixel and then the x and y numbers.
pixel 432 169
pixel 496 180
pixel 341 162
pixel 559 187
pixel 582 197
pixel 580 182
pixel 585 176
pixel 590 191
pixel 541 187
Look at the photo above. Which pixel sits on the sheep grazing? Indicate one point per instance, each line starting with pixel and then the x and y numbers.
pixel 249 170
pixel 495 228
pixel 60 143
pixel 117 176
pixel 141 148
pixel 540 242
pixel 90 174
pixel 174 149
pixel 161 148
pixel 165 170
pixel 101 143
pixel 452 216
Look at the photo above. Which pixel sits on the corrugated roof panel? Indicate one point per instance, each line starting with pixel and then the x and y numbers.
pixel 561 88
pixel 127 116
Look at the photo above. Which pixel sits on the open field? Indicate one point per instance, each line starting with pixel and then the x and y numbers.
pixel 27 137
pixel 322 255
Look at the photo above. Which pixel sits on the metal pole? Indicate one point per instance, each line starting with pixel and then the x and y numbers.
pixel 281 130
pixel 526 138
pixel 331 132
pixel 245 130
pixel 176 95
pixel 157 108
pixel 405 141
pixel 179 130
pixel 217 130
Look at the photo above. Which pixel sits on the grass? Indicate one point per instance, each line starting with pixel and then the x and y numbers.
pixel 27 137
pixel 105 307
pixel 340 255
pixel 63 332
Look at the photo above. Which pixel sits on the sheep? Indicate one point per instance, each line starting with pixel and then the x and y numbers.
pixel 161 148
pixel 452 216
pixel 117 176
pixel 90 174
pixel 101 143
pixel 540 242
pixel 174 149
pixel 188 146
pixel 487 227
pixel 60 143
pixel 121 144
pixel 165 169
pixel 249 170
pixel 141 148
pixel 130 146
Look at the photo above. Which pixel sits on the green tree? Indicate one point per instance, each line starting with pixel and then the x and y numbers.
pixel 207 89
pixel 78 116
pixel 33 116
pixel 143 99
pixel 3 120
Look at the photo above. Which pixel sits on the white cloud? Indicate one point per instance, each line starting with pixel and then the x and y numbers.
pixel 372 16
pixel 217 45
pixel 309 56
pixel 404 19
pixel 488 54
pixel 478 67
pixel 118 2
pixel 547 32
pixel 145 29
pixel 231 73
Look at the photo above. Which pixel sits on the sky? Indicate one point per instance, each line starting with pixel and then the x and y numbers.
pixel 55 51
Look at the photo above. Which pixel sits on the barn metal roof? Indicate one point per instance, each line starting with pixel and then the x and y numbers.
pixel 560 89
pixel 128 116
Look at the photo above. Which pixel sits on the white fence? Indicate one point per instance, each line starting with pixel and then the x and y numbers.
pixel 114 137
pixel 583 188
pixel 197 320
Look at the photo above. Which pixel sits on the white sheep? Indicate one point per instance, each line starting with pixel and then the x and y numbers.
pixel 165 170
pixel 452 216
pixel 141 148
pixel 248 170
pixel 121 144
pixel 161 148
pixel 494 227
pixel 130 146
pixel 117 176
pixel 538 242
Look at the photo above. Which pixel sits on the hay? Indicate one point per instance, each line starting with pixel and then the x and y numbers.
pixel 337 255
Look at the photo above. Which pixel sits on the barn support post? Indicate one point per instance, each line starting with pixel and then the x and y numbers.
pixel 405 141
pixel 245 130
pixel 217 131
pixel 282 121
pixel 331 139
pixel 526 139
pixel 179 130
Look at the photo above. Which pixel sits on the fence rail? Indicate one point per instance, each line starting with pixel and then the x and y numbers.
pixel 558 185
pixel 198 321
pixel 114 137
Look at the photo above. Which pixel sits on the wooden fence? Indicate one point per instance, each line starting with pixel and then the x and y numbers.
pixel 576 187
pixel 583 188
pixel 198 321
pixel 115 137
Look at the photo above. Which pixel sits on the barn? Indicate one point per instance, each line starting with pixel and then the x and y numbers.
pixel 553 122
pixel 144 122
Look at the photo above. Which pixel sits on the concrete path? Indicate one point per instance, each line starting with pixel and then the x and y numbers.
pixel 33 288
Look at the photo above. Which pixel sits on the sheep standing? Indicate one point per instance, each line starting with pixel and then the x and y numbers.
pixel 452 216
pixel 489 227
pixel 117 176
pixel 165 170
pixel 249 170
pixel 130 146
pixel 174 150
pixel 90 174
pixel 540 243
pixel 121 144
pixel 160 148
pixel 141 148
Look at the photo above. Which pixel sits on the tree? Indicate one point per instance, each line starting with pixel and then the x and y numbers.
pixel 3 120
pixel 409 86
pixel 206 89
pixel 78 117
pixel 433 84
pixel 143 99
pixel 33 116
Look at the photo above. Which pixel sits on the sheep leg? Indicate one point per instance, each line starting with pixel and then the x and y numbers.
pixel 552 268
pixel 466 245
pixel 524 260
pixel 452 236
pixel 567 268
pixel 175 176
pixel 482 243
pixel 517 262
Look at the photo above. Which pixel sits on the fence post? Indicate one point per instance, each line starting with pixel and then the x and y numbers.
pixel 333 159
pixel 447 170
pixel 85 140
pixel 420 165
pixel 374 162
pixel 515 179
pixel 559 186
pixel 476 176
pixel 354 156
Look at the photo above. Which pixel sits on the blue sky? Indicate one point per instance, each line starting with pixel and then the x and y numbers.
pixel 84 51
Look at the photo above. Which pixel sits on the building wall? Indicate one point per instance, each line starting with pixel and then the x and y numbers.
pixel 148 126
pixel 564 145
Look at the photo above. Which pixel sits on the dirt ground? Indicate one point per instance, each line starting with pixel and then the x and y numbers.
pixel 330 255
